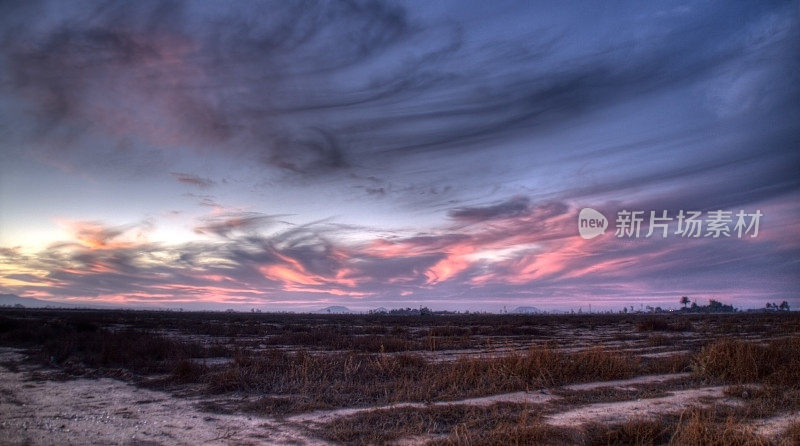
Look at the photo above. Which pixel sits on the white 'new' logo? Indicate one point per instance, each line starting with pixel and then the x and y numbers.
pixel 591 223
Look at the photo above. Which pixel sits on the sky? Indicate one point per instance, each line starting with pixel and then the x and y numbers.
pixel 296 155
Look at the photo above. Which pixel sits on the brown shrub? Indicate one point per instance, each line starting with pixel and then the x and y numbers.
pixel 188 371
pixel 338 379
pixel 640 431
pixel 662 323
pixel 282 405
pixel 660 340
pixel 499 424
pixel 508 433
pixel 737 362
pixel 380 426
pixel 763 401
pixel 790 436
pixel 679 362
pixel 701 427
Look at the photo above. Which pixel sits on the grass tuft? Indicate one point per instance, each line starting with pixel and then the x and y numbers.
pixel 738 362
pixel 638 431
pixel 702 427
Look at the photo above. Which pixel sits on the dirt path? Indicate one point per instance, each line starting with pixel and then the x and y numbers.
pixel 625 383
pixel 772 427
pixel 322 416
pixel 534 397
pixel 107 411
pixel 623 410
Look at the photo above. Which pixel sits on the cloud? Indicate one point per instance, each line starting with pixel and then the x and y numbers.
pixel 506 132
pixel 513 207
pixel 193 180
pixel 204 200
pixel 229 222
pixel 313 90
pixel 96 235
pixel 176 74
pixel 536 255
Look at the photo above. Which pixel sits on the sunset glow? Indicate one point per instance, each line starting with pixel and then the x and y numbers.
pixel 394 156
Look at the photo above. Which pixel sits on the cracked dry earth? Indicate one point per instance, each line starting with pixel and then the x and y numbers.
pixel 109 411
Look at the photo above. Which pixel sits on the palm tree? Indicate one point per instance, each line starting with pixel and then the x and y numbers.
pixel 684 301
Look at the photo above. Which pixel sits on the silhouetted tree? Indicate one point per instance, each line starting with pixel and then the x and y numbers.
pixel 685 301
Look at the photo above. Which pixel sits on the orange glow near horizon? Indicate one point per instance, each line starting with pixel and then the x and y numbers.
pixel 514 251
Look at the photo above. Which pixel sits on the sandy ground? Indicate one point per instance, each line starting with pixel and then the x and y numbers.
pixel 322 416
pixel 771 427
pixel 623 410
pixel 626 383
pixel 107 411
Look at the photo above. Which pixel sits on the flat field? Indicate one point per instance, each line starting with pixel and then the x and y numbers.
pixel 146 377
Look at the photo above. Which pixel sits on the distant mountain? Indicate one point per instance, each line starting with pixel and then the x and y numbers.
pixel 379 310
pixel 10 300
pixel 336 309
pixel 526 310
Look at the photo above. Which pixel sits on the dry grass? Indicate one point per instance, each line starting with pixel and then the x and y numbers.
pixel 522 432
pixel 273 405
pixel 707 427
pixel 738 362
pixel 766 377
pixel 574 398
pixel 763 401
pixel 660 340
pixel 514 424
pixel 349 379
pixel 283 364
pixel 791 436
pixel 676 363
pixel 663 323
pixel 499 424
pixel 79 347
pixel 638 431
pixel 368 339
pixel 334 379
pixel 380 426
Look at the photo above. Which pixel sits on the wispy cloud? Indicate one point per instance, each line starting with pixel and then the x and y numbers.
pixel 192 179
pixel 272 91
pixel 225 223
pixel 501 256
pixel 515 206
